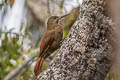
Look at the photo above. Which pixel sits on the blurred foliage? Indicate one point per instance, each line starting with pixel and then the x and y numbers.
pixel 45 64
pixel 62 4
pixel 69 20
pixel 65 33
pixel 111 76
pixel 3 3
pixel 25 74
pixel 11 52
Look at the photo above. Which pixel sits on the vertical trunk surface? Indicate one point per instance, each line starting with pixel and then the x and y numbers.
pixel 84 53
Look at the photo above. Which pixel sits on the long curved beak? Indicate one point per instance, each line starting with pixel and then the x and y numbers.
pixel 57 20
pixel 63 16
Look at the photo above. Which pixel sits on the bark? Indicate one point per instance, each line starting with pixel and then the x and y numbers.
pixel 83 55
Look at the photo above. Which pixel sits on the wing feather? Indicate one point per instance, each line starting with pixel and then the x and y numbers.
pixel 46 42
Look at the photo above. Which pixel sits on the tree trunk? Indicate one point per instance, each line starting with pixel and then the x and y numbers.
pixel 84 53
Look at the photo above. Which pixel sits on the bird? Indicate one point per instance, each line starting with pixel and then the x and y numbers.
pixel 50 41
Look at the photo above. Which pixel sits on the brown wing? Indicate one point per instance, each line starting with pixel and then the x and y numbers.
pixel 44 46
pixel 46 42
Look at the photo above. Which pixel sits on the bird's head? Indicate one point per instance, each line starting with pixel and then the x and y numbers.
pixel 54 20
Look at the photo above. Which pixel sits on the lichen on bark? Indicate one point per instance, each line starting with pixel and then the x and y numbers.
pixel 84 53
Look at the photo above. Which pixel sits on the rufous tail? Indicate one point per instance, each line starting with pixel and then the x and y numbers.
pixel 38 66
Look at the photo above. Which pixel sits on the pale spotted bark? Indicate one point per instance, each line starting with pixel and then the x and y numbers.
pixel 84 53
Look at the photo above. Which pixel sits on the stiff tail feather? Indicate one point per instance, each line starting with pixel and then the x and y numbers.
pixel 38 66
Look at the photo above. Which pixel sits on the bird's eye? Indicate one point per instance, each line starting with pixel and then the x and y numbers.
pixel 56 17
